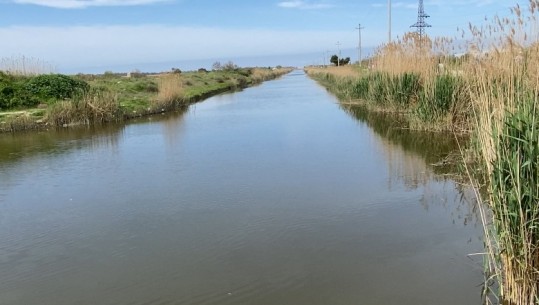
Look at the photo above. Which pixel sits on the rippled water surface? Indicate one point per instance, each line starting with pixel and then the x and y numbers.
pixel 272 195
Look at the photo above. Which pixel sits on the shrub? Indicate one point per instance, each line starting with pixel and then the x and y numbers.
pixel 55 86
pixel 12 93
pixel 145 86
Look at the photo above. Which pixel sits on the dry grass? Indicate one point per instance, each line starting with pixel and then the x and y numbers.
pixel 342 71
pixel 407 55
pixel 25 66
pixel 259 75
pixel 171 91
pixel 97 107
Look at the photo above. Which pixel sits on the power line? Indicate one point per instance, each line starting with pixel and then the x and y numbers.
pixel 421 24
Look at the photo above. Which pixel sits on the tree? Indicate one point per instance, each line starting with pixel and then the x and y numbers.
pixel 339 61
pixel 216 66
pixel 334 60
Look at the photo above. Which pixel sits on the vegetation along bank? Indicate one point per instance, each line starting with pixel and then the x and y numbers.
pixel 489 91
pixel 54 100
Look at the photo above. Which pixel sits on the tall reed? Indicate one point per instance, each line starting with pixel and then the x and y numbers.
pixel 25 66
pixel 170 91
pixel 505 95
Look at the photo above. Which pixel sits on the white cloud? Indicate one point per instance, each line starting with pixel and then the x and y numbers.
pixel 299 4
pixel 77 4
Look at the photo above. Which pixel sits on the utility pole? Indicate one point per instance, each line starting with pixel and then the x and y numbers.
pixel 327 57
pixel 389 20
pixel 359 28
pixel 339 56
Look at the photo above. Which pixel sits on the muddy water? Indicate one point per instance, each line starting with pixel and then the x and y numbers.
pixel 273 195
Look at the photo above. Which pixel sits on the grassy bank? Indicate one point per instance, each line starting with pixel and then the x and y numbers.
pixel 490 93
pixel 52 100
pixel 437 102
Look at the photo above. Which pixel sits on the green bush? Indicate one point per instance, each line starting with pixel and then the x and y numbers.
pixel 55 86
pixel 12 93
pixel 144 86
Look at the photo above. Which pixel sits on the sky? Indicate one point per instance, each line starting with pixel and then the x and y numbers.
pixel 100 35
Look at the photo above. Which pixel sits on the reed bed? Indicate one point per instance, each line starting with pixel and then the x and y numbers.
pixel 504 94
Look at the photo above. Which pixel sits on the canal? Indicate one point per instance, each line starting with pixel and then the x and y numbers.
pixel 269 196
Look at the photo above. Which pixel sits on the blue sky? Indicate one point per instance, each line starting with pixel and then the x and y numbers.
pixel 81 34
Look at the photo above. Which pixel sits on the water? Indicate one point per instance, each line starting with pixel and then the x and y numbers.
pixel 273 195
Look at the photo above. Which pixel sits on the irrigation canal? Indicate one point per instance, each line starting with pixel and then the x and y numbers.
pixel 273 195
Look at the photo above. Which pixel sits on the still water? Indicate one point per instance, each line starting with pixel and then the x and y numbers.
pixel 273 195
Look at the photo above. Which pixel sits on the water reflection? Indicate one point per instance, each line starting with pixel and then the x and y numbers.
pixel 15 147
pixel 416 158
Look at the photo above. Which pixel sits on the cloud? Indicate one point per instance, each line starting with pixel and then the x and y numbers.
pixel 78 4
pixel 299 4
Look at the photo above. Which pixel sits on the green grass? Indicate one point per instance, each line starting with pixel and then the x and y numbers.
pixel 436 105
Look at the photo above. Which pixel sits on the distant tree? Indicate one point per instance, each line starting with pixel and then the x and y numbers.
pixel 229 66
pixel 176 71
pixel 217 66
pixel 339 61
pixel 334 59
